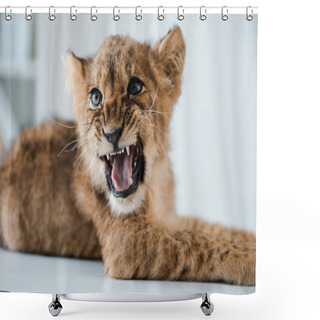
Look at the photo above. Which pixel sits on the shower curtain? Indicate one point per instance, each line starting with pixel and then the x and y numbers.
pixel 128 151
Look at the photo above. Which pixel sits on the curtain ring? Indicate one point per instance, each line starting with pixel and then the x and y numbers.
pixel 73 16
pixel 93 17
pixel 203 12
pixel 8 17
pixel 116 17
pixel 224 13
pixel 249 17
pixel 180 13
pixel 138 16
pixel 160 16
pixel 28 14
pixel 52 16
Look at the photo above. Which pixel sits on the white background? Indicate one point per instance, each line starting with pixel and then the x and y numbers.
pixel 288 181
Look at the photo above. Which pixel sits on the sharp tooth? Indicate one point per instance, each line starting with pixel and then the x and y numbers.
pixel 128 150
pixel 108 156
pixel 134 165
pixel 131 181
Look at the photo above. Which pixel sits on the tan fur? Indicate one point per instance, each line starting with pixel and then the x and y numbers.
pixel 37 204
pixel 49 202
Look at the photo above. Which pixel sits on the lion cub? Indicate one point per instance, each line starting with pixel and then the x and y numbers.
pixel 111 196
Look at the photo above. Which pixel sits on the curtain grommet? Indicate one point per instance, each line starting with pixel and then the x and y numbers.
pixel 160 16
pixel 28 12
pixel 224 13
pixel 138 16
pixel 249 17
pixel 93 17
pixel 203 13
pixel 52 17
pixel 7 16
pixel 73 16
pixel 115 17
pixel 180 13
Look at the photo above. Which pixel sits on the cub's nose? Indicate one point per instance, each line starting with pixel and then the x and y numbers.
pixel 113 137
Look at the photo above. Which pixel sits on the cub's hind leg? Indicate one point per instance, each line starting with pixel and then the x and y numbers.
pixel 37 202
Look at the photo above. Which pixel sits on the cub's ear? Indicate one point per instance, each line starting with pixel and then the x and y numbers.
pixel 170 54
pixel 77 70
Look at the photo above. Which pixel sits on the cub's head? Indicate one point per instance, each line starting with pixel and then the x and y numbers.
pixel 123 99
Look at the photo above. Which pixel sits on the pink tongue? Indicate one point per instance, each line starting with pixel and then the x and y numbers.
pixel 122 171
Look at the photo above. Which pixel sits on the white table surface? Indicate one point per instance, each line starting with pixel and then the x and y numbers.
pixel 20 272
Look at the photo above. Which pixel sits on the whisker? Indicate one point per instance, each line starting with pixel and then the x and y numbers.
pixel 155 97
pixel 66 146
pixel 156 112
pixel 141 119
pixel 67 126
pixel 75 146
pixel 142 136
pixel 153 125
pixel 81 155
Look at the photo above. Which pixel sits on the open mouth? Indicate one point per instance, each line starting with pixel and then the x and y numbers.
pixel 125 169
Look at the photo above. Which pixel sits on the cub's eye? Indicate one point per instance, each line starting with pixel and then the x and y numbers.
pixel 135 86
pixel 96 98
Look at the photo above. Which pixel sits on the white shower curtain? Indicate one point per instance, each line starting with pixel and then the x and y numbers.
pixel 217 104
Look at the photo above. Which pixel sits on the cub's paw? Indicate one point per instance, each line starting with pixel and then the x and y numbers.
pixel 240 267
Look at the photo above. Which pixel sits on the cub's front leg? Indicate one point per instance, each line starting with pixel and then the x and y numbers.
pixel 134 248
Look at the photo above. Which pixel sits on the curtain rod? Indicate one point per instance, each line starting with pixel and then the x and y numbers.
pixel 129 10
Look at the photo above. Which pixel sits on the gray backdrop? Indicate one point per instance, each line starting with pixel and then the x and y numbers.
pixel 214 125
